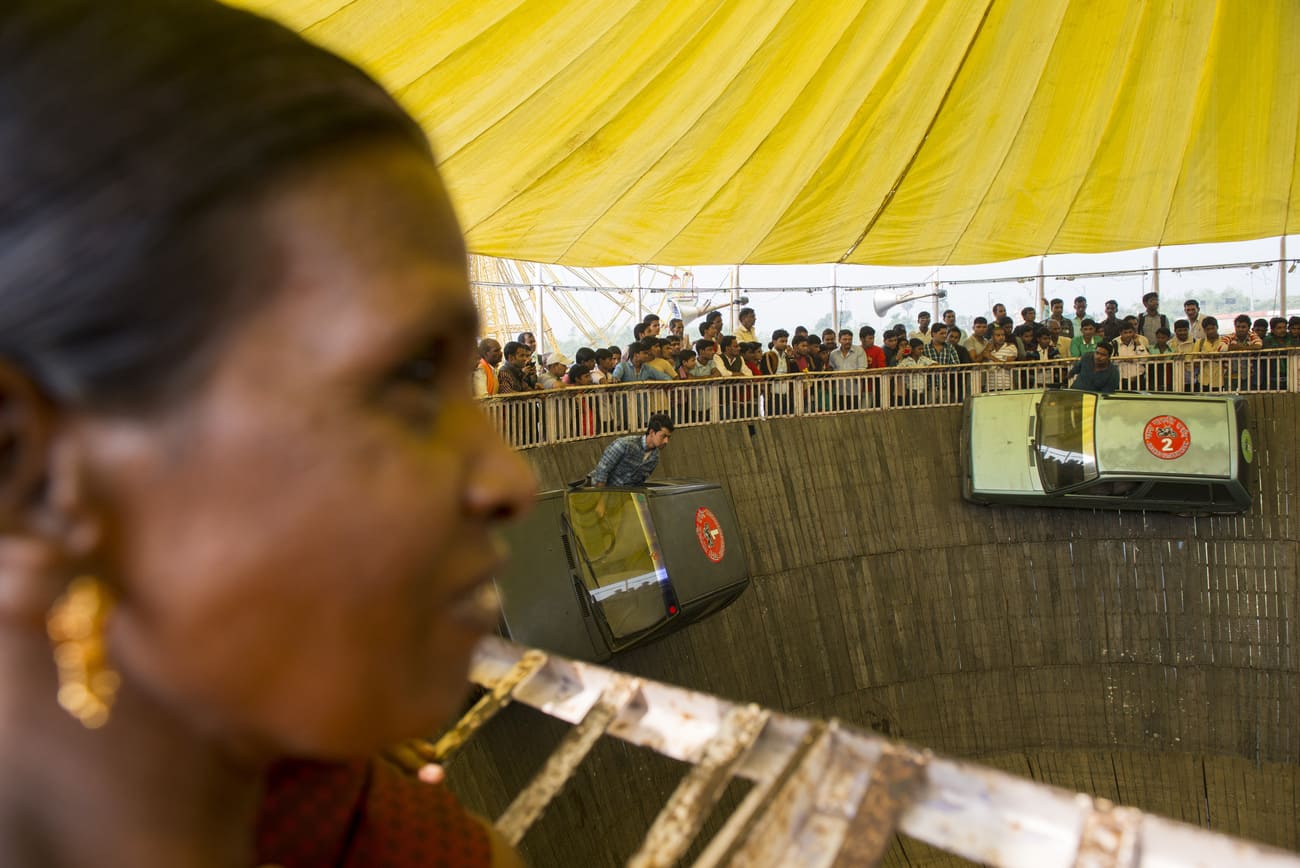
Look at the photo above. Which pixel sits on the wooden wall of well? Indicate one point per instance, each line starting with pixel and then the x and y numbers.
pixel 1147 658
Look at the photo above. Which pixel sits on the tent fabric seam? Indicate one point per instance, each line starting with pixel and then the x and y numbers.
pixel 898 182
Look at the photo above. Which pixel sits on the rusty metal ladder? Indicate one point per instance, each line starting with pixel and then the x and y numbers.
pixel 823 794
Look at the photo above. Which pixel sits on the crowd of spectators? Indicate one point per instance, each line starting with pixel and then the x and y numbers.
pixel 996 341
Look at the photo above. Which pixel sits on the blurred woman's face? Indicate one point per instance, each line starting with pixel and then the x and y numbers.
pixel 305 545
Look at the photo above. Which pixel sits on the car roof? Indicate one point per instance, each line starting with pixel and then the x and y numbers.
pixel 1167 435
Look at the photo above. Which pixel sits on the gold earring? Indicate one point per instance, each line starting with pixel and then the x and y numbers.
pixel 87 684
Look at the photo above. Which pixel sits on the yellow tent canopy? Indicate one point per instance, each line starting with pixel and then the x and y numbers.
pixel 596 132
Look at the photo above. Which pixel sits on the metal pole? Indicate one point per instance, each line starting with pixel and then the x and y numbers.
pixel 1281 277
pixel 540 332
pixel 1042 290
pixel 735 294
pixel 835 297
pixel 1155 270
pixel 640 311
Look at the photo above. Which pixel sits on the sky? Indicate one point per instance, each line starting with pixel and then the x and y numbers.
pixel 780 297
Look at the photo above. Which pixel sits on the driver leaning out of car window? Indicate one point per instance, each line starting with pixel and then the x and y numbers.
pixel 630 460
pixel 1094 372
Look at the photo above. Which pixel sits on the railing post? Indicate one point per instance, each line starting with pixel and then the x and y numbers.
pixel 551 432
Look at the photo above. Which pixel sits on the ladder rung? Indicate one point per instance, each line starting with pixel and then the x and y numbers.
pixel 565 759
pixel 1109 838
pixel 896 780
pixel 497 698
pixel 732 837
pixel 794 804
pixel 685 812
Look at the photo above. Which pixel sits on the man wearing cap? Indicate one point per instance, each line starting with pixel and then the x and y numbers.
pixel 554 367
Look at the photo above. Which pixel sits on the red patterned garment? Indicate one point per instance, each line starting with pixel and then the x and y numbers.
pixel 364 815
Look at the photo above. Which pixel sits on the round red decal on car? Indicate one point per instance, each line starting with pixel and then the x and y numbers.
pixel 1167 437
pixel 709 533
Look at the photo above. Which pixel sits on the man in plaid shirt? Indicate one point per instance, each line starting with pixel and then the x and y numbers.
pixel 630 460
pixel 939 349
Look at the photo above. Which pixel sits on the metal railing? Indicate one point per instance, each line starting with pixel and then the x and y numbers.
pixel 824 793
pixel 565 415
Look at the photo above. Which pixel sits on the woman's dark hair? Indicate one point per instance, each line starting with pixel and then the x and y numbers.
pixel 575 373
pixel 135 139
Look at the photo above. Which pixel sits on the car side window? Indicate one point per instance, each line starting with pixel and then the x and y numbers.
pixel 1109 488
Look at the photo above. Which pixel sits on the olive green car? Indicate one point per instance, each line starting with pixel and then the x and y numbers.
pixel 598 571
pixel 1059 447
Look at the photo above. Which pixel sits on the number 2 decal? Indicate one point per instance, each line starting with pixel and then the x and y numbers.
pixel 1167 437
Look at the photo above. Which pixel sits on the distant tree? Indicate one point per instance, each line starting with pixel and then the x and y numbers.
pixel 847 320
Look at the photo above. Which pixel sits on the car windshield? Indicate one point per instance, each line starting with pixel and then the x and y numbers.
pixel 625 577
pixel 1063 437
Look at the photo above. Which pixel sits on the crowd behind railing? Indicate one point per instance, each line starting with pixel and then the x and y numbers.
pixel 735 377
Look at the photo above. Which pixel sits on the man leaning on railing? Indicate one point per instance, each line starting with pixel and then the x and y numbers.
pixel 1094 372
pixel 630 460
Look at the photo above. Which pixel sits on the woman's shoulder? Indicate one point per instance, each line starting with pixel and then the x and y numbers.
pixel 322 815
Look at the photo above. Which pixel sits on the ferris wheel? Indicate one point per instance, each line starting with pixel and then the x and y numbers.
pixel 514 296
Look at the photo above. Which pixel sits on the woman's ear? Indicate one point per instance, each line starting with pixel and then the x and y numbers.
pixel 45 526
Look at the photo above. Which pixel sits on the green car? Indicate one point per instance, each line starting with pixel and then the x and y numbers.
pixel 598 571
pixel 1059 447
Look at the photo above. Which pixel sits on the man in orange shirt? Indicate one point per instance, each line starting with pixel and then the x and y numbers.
pixel 485 372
